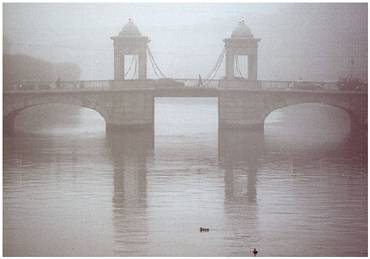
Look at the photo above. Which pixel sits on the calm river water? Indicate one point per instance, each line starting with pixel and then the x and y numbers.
pixel 298 189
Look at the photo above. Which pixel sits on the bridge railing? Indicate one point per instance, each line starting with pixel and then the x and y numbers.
pixel 67 84
pixel 195 83
pixel 298 85
pixel 96 84
pixel 60 85
pixel 264 84
pixel 175 83
pixel 330 85
pixel 33 85
pixel 88 84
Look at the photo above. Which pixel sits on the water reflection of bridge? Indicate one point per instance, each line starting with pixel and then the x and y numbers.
pixel 239 157
pixel 132 151
pixel 239 153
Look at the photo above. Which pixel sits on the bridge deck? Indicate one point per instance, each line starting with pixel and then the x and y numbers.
pixel 131 104
pixel 176 88
pixel 180 92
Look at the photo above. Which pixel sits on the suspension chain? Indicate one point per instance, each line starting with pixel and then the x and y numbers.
pixel 215 69
pixel 155 66
pixel 130 66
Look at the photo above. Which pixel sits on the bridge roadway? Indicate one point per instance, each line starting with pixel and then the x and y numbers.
pixel 130 103
pixel 176 92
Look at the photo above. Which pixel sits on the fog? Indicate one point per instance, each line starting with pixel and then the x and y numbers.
pixel 309 41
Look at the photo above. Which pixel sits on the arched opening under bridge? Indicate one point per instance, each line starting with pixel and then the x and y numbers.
pixel 307 124
pixel 57 119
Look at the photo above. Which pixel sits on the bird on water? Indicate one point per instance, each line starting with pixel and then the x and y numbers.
pixel 255 252
pixel 204 229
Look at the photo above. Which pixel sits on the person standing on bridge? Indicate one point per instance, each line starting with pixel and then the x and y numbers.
pixel 200 83
pixel 57 83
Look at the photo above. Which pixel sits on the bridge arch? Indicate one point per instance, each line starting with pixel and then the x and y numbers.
pixel 14 107
pixel 356 120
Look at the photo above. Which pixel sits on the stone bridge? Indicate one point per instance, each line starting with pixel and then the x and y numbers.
pixel 130 104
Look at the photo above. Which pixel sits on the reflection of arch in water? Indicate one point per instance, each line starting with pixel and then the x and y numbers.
pixel 239 153
pixel 130 151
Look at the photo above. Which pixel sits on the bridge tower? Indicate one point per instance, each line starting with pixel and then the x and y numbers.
pixel 242 42
pixel 130 42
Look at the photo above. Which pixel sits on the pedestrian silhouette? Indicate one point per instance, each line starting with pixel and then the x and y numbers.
pixel 57 83
pixel 200 83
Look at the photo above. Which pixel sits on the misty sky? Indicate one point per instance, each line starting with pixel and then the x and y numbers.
pixel 312 41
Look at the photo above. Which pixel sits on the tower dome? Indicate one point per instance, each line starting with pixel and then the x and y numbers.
pixel 130 30
pixel 242 31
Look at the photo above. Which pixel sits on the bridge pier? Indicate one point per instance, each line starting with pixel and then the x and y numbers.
pixel 358 115
pixel 239 109
pixel 116 128
pixel 358 125
pixel 9 125
pixel 130 110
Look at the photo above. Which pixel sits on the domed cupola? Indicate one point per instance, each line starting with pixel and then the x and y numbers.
pixel 130 30
pixel 242 31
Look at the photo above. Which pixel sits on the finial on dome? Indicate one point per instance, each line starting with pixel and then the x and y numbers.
pixel 130 30
pixel 242 31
